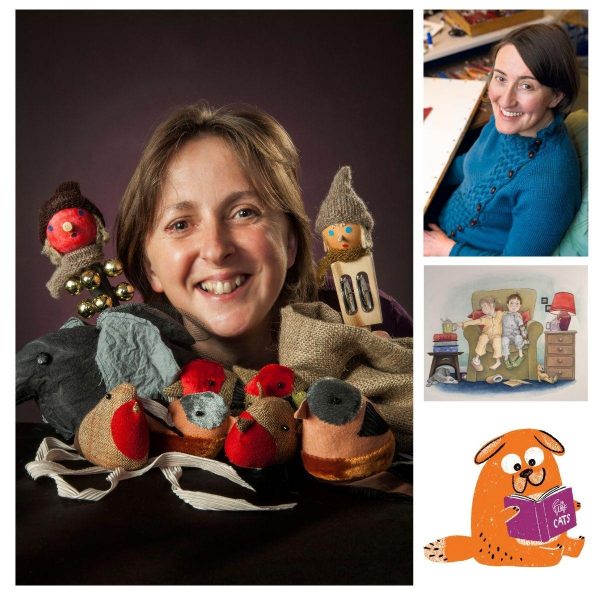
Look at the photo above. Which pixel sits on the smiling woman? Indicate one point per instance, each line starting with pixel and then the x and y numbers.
pixel 223 236
pixel 519 185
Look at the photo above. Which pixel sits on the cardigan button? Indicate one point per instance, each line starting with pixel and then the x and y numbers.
pixel 510 174
pixel 538 142
pixel 460 228
pixel 478 208
pixel 493 190
pixel 531 154
pixel 452 234
pixel 473 222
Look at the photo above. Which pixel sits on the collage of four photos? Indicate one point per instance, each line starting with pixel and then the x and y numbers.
pixel 283 318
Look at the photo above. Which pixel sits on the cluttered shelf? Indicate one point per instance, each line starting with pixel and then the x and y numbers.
pixel 445 42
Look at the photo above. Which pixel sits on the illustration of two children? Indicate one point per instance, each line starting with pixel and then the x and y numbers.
pixel 501 328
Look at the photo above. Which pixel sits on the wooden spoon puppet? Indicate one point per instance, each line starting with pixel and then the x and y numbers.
pixel 346 226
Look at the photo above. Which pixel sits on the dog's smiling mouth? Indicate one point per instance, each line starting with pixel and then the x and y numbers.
pixel 535 479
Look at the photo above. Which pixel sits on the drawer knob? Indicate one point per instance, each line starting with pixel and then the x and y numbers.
pixel 560 348
pixel 560 339
pixel 559 361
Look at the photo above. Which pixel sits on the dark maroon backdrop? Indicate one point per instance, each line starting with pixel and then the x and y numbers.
pixel 92 85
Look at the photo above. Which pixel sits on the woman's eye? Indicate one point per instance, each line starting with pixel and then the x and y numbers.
pixel 499 79
pixel 178 226
pixel 245 213
pixel 348 229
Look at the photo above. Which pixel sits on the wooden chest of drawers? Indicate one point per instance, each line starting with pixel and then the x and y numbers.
pixel 559 354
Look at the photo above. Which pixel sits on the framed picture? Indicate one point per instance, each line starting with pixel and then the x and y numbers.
pixel 544 300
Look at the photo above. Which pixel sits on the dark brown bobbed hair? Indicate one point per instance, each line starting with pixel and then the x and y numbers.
pixel 515 295
pixel 267 156
pixel 547 51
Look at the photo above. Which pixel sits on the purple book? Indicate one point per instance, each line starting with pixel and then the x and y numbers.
pixel 544 518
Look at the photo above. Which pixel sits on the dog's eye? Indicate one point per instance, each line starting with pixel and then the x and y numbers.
pixel 511 463
pixel 534 456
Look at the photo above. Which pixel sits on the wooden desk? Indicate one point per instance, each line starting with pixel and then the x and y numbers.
pixel 446 45
pixel 454 102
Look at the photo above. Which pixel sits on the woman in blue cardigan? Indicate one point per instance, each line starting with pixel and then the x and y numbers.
pixel 519 185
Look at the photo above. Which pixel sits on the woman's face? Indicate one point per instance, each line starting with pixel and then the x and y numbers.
pixel 521 104
pixel 216 250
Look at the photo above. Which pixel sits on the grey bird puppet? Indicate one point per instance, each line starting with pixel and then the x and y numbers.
pixel 68 371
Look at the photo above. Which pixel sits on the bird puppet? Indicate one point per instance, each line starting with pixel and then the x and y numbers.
pixel 343 436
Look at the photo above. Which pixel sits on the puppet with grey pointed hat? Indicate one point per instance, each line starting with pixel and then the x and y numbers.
pixel 346 226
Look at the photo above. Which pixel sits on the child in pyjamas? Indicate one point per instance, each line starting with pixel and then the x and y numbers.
pixel 492 332
pixel 513 330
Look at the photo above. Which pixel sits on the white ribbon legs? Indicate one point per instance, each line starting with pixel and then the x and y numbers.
pixel 170 463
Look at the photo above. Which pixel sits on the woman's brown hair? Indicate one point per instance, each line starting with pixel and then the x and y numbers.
pixel 547 51
pixel 266 154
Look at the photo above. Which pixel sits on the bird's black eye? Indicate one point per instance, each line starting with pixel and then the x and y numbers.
pixel 280 385
pixel 531 462
pixel 285 428
pixel 335 400
pixel 211 383
pixel 43 358
pixel 199 413
pixel 108 396
pixel 517 467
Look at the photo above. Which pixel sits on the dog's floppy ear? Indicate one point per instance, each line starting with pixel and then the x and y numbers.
pixel 549 442
pixel 489 450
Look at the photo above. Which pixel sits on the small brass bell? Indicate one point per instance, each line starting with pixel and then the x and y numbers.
pixel 74 286
pixel 101 302
pixel 90 279
pixel 124 291
pixel 113 267
pixel 86 309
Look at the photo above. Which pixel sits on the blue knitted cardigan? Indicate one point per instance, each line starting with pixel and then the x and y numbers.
pixel 517 195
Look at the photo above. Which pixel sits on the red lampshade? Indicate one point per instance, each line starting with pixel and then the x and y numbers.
pixel 563 302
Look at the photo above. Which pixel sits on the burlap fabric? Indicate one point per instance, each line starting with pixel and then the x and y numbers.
pixel 72 264
pixel 315 343
pixel 94 437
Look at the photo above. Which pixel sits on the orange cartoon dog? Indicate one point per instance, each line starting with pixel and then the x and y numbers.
pixel 520 462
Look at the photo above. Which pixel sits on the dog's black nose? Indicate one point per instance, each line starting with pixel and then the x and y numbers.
pixel 526 473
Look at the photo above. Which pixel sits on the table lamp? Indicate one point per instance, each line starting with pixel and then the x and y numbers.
pixel 563 306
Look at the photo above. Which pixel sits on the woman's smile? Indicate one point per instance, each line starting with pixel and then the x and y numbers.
pixel 222 286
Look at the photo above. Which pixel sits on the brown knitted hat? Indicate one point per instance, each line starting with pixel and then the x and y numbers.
pixel 67 195
pixel 342 205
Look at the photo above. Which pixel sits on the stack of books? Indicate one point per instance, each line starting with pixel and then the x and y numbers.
pixel 445 342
